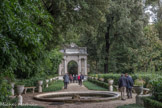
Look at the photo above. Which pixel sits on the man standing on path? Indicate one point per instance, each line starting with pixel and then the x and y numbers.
pixel 129 85
pixel 122 86
pixel 81 78
pixel 66 80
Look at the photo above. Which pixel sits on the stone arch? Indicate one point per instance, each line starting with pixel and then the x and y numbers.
pixel 74 53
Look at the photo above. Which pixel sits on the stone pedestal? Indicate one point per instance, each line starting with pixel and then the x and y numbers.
pixel 139 99
pixel 40 89
pixel 111 88
pixel 20 100
pixel 12 89
pixel 40 86
pixel 111 85
pixel 47 83
pixel 20 89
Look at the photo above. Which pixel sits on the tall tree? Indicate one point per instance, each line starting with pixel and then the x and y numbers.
pixel 124 25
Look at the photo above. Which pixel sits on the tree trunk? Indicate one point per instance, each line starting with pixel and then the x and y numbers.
pixel 96 66
pixel 107 39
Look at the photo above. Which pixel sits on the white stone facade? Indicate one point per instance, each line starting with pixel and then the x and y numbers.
pixel 74 53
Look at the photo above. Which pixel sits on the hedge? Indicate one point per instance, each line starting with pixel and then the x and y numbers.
pixel 143 76
pixel 99 83
pixel 130 106
pixel 149 102
pixel 33 81
pixel 157 89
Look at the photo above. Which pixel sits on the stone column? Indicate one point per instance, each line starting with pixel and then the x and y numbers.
pixel 85 67
pixel 60 68
pixel 65 66
pixel 79 66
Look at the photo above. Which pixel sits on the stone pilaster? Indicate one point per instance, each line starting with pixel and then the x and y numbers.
pixel 85 66
pixel 79 66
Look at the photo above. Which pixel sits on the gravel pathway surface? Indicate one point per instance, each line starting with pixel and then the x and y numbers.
pixel 28 99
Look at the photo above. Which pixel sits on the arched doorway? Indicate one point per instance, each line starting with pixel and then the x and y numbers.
pixel 73 67
pixel 73 53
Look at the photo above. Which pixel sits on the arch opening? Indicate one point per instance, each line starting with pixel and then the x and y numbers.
pixel 73 67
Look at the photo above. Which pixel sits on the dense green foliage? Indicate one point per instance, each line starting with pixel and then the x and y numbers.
pixel 157 89
pixel 56 86
pixel 130 106
pixel 116 33
pixel 25 30
pixel 93 86
pixel 152 103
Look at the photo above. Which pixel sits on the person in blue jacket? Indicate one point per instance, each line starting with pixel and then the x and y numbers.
pixel 129 85
pixel 81 78
pixel 66 80
pixel 122 86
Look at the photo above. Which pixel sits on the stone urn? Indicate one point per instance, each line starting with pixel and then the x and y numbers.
pixel 47 83
pixel 12 88
pixel 50 79
pixel 110 82
pixel 138 89
pixel 20 89
pixel 40 86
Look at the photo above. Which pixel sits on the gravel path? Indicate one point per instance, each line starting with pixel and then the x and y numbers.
pixel 28 99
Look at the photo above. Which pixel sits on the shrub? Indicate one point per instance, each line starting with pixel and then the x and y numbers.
pixel 130 106
pixel 149 102
pixel 139 82
pixel 157 88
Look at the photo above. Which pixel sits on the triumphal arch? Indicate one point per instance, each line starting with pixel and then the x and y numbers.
pixel 74 53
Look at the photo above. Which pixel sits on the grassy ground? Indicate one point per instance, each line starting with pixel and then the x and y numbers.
pixel 130 106
pixel 92 86
pixel 56 86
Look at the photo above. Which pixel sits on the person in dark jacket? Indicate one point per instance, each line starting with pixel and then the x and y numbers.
pixel 66 80
pixel 73 78
pixel 76 78
pixel 81 78
pixel 122 86
pixel 129 85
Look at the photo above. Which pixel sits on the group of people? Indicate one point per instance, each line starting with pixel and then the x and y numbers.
pixel 125 85
pixel 73 79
